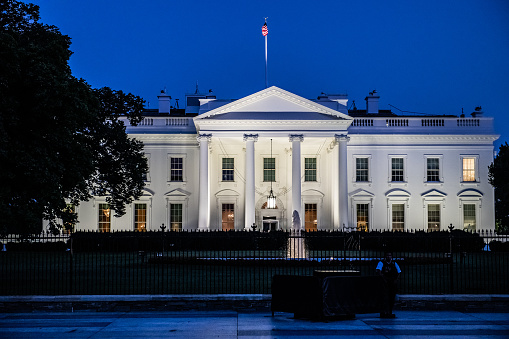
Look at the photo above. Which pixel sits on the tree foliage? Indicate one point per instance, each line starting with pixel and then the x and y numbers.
pixel 499 179
pixel 61 141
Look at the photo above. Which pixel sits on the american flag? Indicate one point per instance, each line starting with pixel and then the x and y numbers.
pixel 265 31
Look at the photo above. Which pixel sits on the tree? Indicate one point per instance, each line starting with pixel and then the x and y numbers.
pixel 499 179
pixel 61 141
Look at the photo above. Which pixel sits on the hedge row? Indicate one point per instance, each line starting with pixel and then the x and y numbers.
pixel 176 241
pixel 457 241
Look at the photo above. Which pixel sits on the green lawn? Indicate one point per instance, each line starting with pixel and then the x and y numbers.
pixel 183 272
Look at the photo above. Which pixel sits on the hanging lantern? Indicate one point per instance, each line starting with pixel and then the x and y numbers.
pixel 271 199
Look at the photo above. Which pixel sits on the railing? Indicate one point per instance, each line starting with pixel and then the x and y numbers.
pixel 468 122
pixel 245 262
pixel 432 122
pixel 396 122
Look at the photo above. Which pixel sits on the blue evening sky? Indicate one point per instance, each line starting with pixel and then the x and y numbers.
pixel 433 57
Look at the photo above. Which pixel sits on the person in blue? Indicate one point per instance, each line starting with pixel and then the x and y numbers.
pixel 389 271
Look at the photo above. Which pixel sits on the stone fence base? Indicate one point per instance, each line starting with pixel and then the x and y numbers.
pixel 234 302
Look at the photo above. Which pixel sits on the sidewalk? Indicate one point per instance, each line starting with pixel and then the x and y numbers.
pixel 232 324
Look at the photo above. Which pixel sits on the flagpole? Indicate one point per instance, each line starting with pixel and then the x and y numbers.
pixel 265 33
pixel 266 76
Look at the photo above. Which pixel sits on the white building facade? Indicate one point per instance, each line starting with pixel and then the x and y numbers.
pixel 214 166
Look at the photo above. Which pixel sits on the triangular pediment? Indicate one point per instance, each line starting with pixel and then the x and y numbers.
pixel 434 194
pixel 273 103
pixel 178 192
pixel 361 193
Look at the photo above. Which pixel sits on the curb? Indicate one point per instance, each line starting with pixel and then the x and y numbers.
pixel 243 302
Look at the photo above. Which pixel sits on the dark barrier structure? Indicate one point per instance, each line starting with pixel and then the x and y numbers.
pixel 245 262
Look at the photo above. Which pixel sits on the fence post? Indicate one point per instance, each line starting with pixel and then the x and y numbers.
pixel 71 269
pixel 451 261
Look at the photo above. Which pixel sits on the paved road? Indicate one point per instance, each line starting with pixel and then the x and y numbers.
pixel 230 324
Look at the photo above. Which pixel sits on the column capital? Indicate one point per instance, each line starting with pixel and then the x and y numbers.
pixel 296 137
pixel 341 137
pixel 253 137
pixel 203 137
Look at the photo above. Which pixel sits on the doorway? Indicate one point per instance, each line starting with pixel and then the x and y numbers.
pixel 270 224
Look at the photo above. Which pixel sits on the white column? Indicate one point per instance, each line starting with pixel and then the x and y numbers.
pixel 296 139
pixel 249 207
pixel 342 140
pixel 204 197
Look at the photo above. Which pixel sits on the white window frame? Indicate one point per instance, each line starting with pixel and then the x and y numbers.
pixel 441 227
pixel 184 166
pixel 434 197
pixel 474 197
pixel 259 174
pixel 397 196
pixel 362 197
pixel 354 164
pixel 304 169
pixel 476 168
pixel 440 168
pixel 405 177
pixel 225 156
pixel 177 197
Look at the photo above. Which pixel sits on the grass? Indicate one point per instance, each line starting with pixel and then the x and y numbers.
pixel 54 273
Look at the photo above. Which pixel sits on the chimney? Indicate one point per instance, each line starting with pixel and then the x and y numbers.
pixel 164 102
pixel 372 102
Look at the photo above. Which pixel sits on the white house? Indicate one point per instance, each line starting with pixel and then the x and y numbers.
pixel 213 166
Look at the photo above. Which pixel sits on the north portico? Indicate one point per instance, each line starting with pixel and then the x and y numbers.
pixel 306 138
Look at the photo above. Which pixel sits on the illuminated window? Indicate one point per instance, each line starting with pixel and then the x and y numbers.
pixel 228 217
pixel 269 169
pixel 176 169
pixel 175 217
pixel 469 220
pixel 362 217
pixel 69 221
pixel 398 217
pixel 310 217
pixel 140 217
pixel 433 217
pixel 361 169
pixel 227 169
pixel 468 169
pixel 433 169
pixel 397 169
pixel 309 169
pixel 104 218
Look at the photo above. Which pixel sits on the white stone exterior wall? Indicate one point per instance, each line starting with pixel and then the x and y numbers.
pixel 276 114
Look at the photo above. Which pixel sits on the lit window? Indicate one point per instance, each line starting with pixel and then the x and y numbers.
pixel 269 169
pixel 362 217
pixel 69 221
pixel 309 169
pixel 228 217
pixel 468 169
pixel 175 217
pixel 398 217
pixel 361 169
pixel 433 217
pixel 176 169
pixel 433 169
pixel 310 217
pixel 104 218
pixel 140 217
pixel 469 221
pixel 228 168
pixel 397 169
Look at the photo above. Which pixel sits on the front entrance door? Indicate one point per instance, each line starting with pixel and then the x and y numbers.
pixel 270 224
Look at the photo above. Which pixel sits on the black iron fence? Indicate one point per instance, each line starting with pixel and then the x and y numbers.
pixel 245 262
